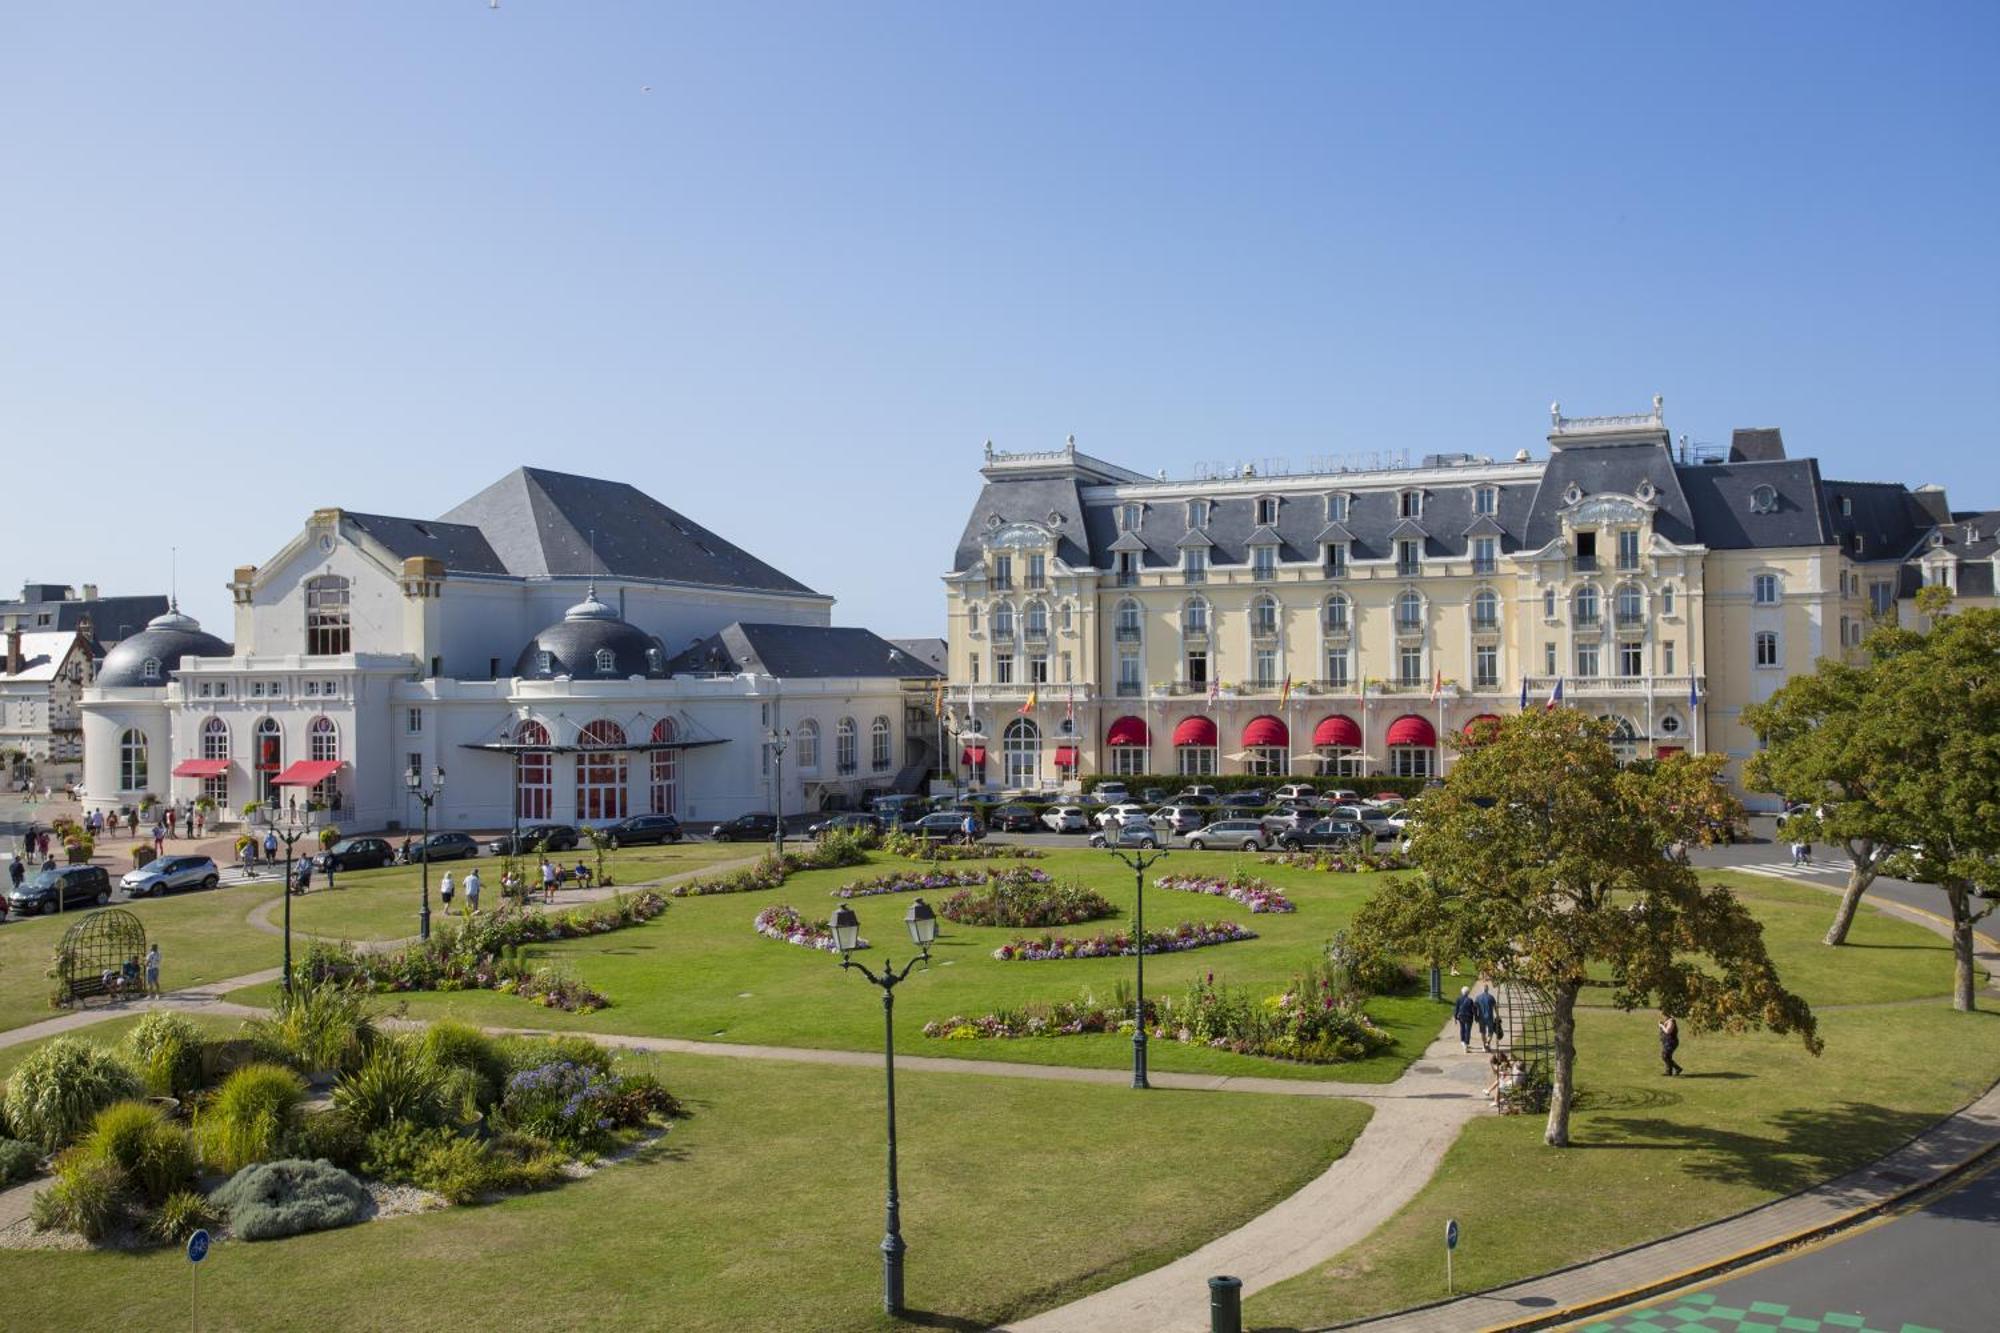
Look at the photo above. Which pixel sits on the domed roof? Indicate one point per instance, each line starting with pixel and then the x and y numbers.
pixel 164 642
pixel 575 646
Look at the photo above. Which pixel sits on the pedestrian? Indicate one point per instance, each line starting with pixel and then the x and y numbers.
pixel 153 970
pixel 1805 853
pixel 187 822
pixel 305 875
pixel 970 828
pixel 548 881
pixel 16 872
pixel 1487 1008
pixel 1465 1011
pixel 445 890
pixel 271 847
pixel 200 818
pixel 472 887
pixel 132 823
pixel 1670 1041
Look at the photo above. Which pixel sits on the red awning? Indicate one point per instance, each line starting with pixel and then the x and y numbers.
pixel 1266 730
pixel 1065 756
pixel 201 768
pixel 1411 730
pixel 1667 751
pixel 1128 731
pixel 1336 733
pixel 1480 723
pixel 1195 731
pixel 975 756
pixel 307 773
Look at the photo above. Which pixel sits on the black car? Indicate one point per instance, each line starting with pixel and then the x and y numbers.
pixel 60 887
pixel 747 828
pixel 1153 796
pixel 444 847
pixel 1326 833
pixel 946 824
pixel 1244 800
pixel 1015 819
pixel 851 821
pixel 536 837
pixel 355 854
pixel 642 829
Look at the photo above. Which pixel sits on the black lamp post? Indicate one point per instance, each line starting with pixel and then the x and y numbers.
pixel 778 741
pixel 414 780
pixel 1139 861
pixel 287 828
pixel 922 923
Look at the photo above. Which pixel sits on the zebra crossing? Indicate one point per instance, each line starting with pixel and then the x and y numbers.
pixel 1830 867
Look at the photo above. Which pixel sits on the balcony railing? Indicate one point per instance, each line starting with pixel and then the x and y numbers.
pixel 1587 620
pixel 1036 634
pixel 1130 689
pixel 1480 566
pixel 1127 578
pixel 1585 564
pixel 1409 624
pixel 1126 634
pixel 1485 624
pixel 1663 687
pixel 1631 619
pixel 1409 569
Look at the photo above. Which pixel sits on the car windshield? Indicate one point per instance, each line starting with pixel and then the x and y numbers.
pixel 346 845
pixel 43 879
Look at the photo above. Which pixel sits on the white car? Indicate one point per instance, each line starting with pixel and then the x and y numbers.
pixel 1115 815
pixel 1065 819
pixel 1111 792
pixel 1294 791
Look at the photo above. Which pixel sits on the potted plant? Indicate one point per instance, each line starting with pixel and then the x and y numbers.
pixel 327 837
pixel 142 854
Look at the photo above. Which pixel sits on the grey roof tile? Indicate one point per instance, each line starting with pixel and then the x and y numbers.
pixel 1719 496
pixel 463 547
pixel 799 652
pixel 1598 469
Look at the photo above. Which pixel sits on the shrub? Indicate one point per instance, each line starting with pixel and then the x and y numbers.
pixel 180 1215
pixel 459 1169
pixel 318 1026
pixel 638 1097
pixel 58 1090
pixel 459 1046
pixel 524 1162
pixel 90 1196
pixel 273 1199
pixel 566 1103
pixel 395 1084
pixel 395 1151
pixel 251 1117
pixel 152 1151
pixel 329 1136
pixel 519 1053
pixel 18 1161
pixel 166 1049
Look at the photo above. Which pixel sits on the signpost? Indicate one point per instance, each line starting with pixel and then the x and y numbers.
pixel 1450 1244
pixel 197 1251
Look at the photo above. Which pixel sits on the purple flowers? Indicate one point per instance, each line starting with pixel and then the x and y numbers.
pixel 786 924
pixel 1253 893
pixel 1119 944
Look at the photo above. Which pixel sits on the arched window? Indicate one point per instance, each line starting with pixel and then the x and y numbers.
pixel 1338 617
pixel 878 744
pixel 323 743
pixel 600 774
pixel 1038 619
pixel 1624 738
pixel 972 617
pixel 664 790
pixel 270 738
pixel 806 751
pixel 1003 620
pixel 149 671
pixel 534 773
pixel 844 761
pixel 1264 617
pixel 1585 605
pixel 607 661
pixel 1631 606
pixel 132 761
pixel 215 739
pixel 1021 753
pixel 1409 610
pixel 1485 609
pixel 1194 616
pixel 1128 619
pixel 327 630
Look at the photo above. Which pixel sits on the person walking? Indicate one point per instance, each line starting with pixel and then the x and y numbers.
pixel 271 847
pixel 1466 1012
pixel 153 970
pixel 131 823
pixel 1486 1006
pixel 445 889
pixel 1798 853
pixel 970 828
pixel 16 872
pixel 548 880
pixel 1670 1041
pixel 159 840
pixel 472 887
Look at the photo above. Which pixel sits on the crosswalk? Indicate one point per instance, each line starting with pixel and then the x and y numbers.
pixel 1831 867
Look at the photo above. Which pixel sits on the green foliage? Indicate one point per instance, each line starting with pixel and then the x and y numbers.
pixel 318 1025
pixel 459 1169
pixel 463 1048
pixel 289 1198
pixel 1024 903
pixel 18 1161
pixel 59 1088
pixel 152 1151
pixel 90 1196
pixel 251 1118
pixel 566 1103
pixel 395 1084
pixel 521 1053
pixel 395 1151
pixel 640 1096
pixel 330 1136
pixel 166 1049
pixel 180 1215
pixel 524 1162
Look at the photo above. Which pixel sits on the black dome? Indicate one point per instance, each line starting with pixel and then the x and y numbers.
pixel 165 640
pixel 572 647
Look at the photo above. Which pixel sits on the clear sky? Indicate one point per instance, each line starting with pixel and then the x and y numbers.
pixel 786 268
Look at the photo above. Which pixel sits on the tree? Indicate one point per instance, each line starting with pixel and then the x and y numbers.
pixel 1541 857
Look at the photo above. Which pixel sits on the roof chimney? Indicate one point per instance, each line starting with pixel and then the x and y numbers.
pixel 90 592
pixel 13 646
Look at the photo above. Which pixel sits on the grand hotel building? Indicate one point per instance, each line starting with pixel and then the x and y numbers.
pixel 1341 623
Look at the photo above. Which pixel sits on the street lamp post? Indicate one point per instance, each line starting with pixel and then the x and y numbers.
pixel 414 780
pixel 1139 860
pixel 922 923
pixel 288 829
pixel 778 741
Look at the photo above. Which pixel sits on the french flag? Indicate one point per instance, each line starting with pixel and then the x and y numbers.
pixel 1555 697
pixel 1524 694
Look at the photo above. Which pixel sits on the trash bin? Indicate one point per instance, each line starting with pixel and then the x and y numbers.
pixel 1225 1305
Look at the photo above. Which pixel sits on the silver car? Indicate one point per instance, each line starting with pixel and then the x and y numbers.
pixel 1065 819
pixel 1132 831
pixel 167 873
pixel 1179 818
pixel 1247 834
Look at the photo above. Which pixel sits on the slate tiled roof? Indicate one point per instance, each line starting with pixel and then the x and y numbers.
pixel 1599 469
pixel 932 652
pixel 798 652
pixel 1884 515
pixel 1719 496
pixel 463 548
pixel 111 618
pixel 1026 500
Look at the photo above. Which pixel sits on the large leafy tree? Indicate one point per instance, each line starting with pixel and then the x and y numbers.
pixel 1543 859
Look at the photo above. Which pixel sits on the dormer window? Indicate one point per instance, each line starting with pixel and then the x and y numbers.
pixel 1267 510
pixel 1336 509
pixel 1971 536
pixel 545 662
pixel 1937 541
pixel 1485 500
pixel 655 660
pixel 1003 570
pixel 1197 514
pixel 1194 564
pixel 1128 517
pixel 1763 500
pixel 1411 504
pixel 1847 506
pixel 1263 562
pixel 605 661
pixel 1336 560
pixel 1572 494
pixel 149 670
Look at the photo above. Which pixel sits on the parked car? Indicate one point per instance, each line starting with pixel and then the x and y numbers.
pixel 1065 819
pixel 1114 815
pixel 1153 796
pixel 1112 792
pixel 945 825
pixel 1247 834
pixel 1198 793
pixel 759 827
pixel 1249 799
pixel 164 874
pixel 1325 833
pixel 1295 791
pixel 1132 831
pixel 1371 816
pixel 1172 819
pixel 1292 816
pixel 640 830
pixel 851 821
pixel 1344 796
pixel 894 808
pixel 355 854
pixel 58 888
pixel 1014 819
pixel 444 847
pixel 1386 798
pixel 546 837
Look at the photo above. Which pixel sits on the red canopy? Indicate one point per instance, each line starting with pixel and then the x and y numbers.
pixel 1666 751
pixel 307 773
pixel 975 756
pixel 1336 733
pixel 201 768
pixel 1480 722
pixel 1195 731
pixel 1410 729
pixel 1065 756
pixel 1266 730
pixel 1127 730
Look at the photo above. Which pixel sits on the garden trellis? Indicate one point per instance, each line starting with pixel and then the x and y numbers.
pixel 101 942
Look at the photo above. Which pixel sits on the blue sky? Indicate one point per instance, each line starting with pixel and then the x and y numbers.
pixel 786 268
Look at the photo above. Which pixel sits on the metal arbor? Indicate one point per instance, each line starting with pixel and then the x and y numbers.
pixel 98 945
pixel 1528 1035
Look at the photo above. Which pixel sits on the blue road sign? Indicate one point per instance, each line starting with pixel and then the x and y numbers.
pixel 1451 1234
pixel 198 1247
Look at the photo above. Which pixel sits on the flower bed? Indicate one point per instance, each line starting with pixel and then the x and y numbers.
pixel 932 849
pixel 1253 893
pixel 1344 862
pixel 785 923
pixel 1119 944
pixel 1026 902
pixel 833 852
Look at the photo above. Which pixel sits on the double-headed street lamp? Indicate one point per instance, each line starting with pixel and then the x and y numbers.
pixel 922 923
pixel 1139 861
pixel 413 779
pixel 288 828
pixel 778 740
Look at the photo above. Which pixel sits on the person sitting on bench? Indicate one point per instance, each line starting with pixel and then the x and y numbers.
pixel 581 874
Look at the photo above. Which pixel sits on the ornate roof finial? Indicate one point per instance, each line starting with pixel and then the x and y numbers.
pixel 1069 445
pixel 1659 405
pixel 989 451
pixel 1555 414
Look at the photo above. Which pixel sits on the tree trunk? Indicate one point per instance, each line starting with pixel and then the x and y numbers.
pixel 1858 880
pixel 1562 1077
pixel 1964 974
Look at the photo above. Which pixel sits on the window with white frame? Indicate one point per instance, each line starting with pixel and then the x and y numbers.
pixel 1486 666
pixel 1628 548
pixel 1339 671
pixel 1065 616
pixel 1764 589
pixel 607 662
pixel 1038 570
pixel 1194 618
pixel 1548 659
pixel 1410 504
pixel 1409 610
pixel 149 670
pixel 878 744
pixel 1038 668
pixel 663 771
pixel 600 772
pixel 1126 624
pixel 413 721
pixel 1197 513
pixel 1409 665
pixel 327 625
pixel 1336 509
pixel 972 617
pixel 545 662
pixel 1003 668
pixel 1631 660
pixel 1263 562
pixel 132 765
pixel 215 739
pixel 806 743
pixel 1129 516
pixel 1631 604
pixel 1003 620
pixel 1586 605
pixel 1267 510
pixel 1587 660
pixel 1003 570
pixel 844 759
pixel 1194 564
pixel 1767 649
pixel 1336 560
pixel 1485 555
pixel 1131 680
pixel 1409 557
pixel 1485 500
pixel 1264 618
pixel 1667 599
pixel 1485 609
pixel 1667 657
pixel 1264 668
pixel 1338 615
pixel 1038 619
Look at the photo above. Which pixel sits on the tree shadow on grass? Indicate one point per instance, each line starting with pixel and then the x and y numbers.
pixel 1797 1150
pixel 936 1319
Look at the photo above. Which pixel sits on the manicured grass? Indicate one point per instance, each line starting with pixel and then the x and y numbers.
pixel 701 972
pixel 382 904
pixel 110 1033
pixel 1755 1118
pixel 765 1211
pixel 202 936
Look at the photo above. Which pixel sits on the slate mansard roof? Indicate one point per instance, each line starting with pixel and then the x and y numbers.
pixel 167 639
pixel 798 652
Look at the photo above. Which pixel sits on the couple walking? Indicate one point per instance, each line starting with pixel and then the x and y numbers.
pixel 1482 1009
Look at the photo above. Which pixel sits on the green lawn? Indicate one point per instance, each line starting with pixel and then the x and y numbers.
pixel 112 1031
pixel 765 1211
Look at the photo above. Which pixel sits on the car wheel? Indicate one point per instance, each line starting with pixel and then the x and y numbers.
pixel 612 842
pixel 1198 844
pixel 49 908
pixel 212 882
pixel 102 898
pixel 1249 844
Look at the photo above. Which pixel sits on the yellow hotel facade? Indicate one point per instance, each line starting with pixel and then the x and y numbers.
pixel 1341 622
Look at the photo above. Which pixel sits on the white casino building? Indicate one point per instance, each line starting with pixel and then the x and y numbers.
pixel 566 648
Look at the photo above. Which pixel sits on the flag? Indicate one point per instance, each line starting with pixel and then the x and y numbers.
pixel 1437 684
pixel 1214 688
pixel 1029 706
pixel 1069 714
pixel 1524 694
pixel 1694 694
pixel 937 697
pixel 1285 694
pixel 1555 697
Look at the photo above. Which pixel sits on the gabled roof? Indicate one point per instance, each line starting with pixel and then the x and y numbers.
pixel 1263 535
pixel 1407 529
pixel 1883 514
pixel 798 652
pixel 1194 537
pixel 462 547
pixel 1128 541
pixel 1485 526
pixel 42 655
pixel 1333 533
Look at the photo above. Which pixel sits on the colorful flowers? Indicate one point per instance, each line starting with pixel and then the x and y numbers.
pixel 785 923
pixel 1120 944
pixel 1342 862
pixel 921 881
pixel 1252 892
pixel 1025 900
